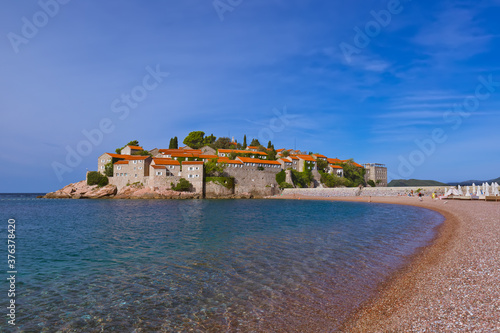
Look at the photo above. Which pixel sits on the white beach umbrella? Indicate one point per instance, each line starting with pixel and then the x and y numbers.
pixel 468 192
pixel 478 192
pixel 460 192
pixel 487 190
pixel 473 188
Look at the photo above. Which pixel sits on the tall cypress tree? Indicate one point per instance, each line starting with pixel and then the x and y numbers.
pixel 244 142
pixel 176 143
pixel 269 145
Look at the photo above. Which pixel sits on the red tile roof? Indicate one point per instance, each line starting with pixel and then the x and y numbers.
pixel 135 147
pixel 121 162
pixel 256 160
pixel 306 158
pixel 333 166
pixel 228 161
pixel 116 155
pixel 334 160
pixel 207 156
pixel 252 147
pixel 165 161
pixel 319 155
pixel 159 166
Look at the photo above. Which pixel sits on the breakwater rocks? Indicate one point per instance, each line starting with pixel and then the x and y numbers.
pixel 364 191
pixel 81 190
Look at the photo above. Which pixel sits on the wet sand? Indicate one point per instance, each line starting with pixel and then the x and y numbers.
pixel 453 285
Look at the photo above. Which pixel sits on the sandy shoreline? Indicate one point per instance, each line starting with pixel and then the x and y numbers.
pixel 451 285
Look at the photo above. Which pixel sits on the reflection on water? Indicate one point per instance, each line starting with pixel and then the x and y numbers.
pixel 204 265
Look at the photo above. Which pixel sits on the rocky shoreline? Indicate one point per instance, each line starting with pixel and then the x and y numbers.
pixel 81 190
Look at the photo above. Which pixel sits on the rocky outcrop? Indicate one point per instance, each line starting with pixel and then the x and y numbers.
pixel 142 192
pixel 81 190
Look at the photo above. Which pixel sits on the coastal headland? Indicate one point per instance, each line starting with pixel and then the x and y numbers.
pixel 450 285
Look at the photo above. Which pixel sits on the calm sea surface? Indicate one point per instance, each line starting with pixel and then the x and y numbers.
pixel 201 265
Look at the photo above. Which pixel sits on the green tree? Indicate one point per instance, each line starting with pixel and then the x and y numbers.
pixel 214 169
pixel 322 164
pixel 244 142
pixel 183 185
pixel 269 145
pixel 108 169
pixel 233 155
pixel 173 143
pixel 223 143
pixel 331 180
pixel 371 183
pixel 255 143
pixel 195 139
pixel 285 185
pixel 280 177
pixel 132 143
pixel 211 139
pixel 285 153
pixel 302 179
pixel 97 178
pixel 118 151
pixel 354 175
pixel 271 155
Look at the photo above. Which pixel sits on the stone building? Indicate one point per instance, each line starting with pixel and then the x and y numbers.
pixel 337 170
pixel 376 172
pixel 130 150
pixel 286 164
pixel 193 172
pixel 306 161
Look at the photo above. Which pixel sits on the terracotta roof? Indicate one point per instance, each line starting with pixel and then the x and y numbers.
pixel 333 166
pixel 306 158
pixel 231 161
pixel 319 155
pixel 334 160
pixel 192 162
pixel 256 160
pixel 278 150
pixel 171 150
pixel 159 166
pixel 182 155
pixel 252 147
pixel 165 161
pixel 293 157
pixel 116 155
pixel 121 162
pixel 286 161
pixel 207 156
pixel 135 147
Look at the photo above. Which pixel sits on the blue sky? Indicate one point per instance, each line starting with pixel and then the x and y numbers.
pixel 418 89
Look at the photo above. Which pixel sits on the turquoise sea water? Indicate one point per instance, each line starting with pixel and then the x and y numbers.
pixel 202 265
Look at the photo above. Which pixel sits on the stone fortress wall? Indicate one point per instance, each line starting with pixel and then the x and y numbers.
pixel 365 191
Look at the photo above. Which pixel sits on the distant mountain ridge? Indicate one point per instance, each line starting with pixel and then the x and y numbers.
pixel 414 182
pixel 477 182
pixel 420 182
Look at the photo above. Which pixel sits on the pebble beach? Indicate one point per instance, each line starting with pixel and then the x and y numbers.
pixel 451 285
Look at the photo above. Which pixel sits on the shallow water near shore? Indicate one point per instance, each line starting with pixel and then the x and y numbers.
pixel 204 265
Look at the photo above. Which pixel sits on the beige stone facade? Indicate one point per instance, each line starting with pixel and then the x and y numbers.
pixel 376 172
